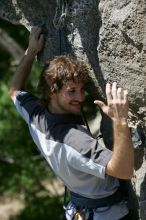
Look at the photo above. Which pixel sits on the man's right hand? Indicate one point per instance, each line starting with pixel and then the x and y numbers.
pixel 36 41
pixel 117 103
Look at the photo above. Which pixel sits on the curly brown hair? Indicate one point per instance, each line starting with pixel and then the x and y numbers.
pixel 57 72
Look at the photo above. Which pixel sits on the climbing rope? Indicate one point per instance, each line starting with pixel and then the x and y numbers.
pixel 61 13
pixel 59 24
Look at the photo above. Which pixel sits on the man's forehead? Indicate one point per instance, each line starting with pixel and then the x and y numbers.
pixel 72 84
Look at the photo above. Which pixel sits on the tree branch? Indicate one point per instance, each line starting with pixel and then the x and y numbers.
pixel 11 46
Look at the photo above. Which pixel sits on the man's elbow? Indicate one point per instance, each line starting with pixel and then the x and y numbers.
pixel 12 91
pixel 126 175
pixel 122 175
pixel 120 172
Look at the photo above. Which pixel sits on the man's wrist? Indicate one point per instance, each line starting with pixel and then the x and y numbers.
pixel 120 127
pixel 31 53
pixel 120 122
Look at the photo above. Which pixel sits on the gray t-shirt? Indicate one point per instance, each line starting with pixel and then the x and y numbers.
pixel 75 157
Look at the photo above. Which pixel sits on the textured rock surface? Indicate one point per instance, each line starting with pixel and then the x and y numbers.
pixel 30 13
pixel 122 48
pixel 109 36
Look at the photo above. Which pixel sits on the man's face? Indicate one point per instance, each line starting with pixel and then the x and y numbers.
pixel 69 99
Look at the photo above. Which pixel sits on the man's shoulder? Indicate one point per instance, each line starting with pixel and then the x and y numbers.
pixel 24 97
pixel 22 93
pixel 27 103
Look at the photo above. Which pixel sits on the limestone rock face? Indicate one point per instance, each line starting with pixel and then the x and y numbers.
pixel 110 36
pixel 122 49
pixel 107 35
pixel 31 13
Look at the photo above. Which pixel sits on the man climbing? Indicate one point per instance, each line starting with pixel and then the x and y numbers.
pixel 89 170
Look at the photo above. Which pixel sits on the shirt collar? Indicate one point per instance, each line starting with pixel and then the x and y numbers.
pixel 65 118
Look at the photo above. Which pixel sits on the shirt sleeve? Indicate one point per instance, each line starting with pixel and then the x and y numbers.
pixel 25 103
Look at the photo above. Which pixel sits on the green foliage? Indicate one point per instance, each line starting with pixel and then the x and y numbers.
pixel 51 209
pixel 20 34
pixel 17 32
pixel 18 154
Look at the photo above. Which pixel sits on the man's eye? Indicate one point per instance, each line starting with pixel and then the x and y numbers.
pixel 71 91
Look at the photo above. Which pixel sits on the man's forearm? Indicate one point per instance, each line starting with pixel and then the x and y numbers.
pixel 122 161
pixel 19 79
pixel 36 41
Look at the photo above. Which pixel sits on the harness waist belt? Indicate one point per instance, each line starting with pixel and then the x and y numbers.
pixel 83 202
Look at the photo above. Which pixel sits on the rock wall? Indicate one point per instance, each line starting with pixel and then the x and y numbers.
pixel 30 13
pixel 109 36
pixel 122 49
pixel 122 58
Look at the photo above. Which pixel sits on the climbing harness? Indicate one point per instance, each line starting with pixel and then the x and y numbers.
pixel 88 203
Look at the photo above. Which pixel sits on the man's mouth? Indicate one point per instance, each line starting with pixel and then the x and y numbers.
pixel 76 104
